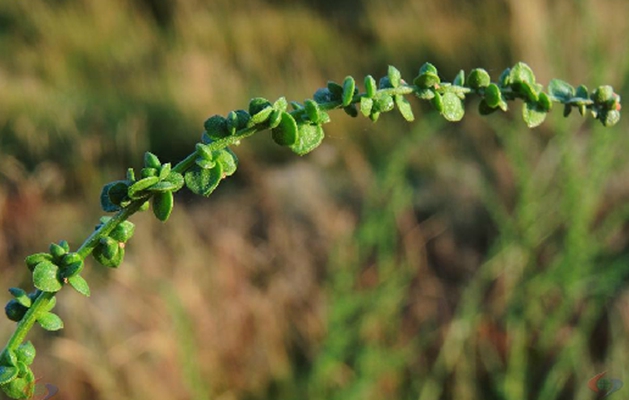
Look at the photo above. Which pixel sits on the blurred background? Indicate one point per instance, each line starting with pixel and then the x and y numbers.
pixel 431 260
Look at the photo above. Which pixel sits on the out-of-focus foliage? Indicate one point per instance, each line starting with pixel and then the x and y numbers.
pixel 478 260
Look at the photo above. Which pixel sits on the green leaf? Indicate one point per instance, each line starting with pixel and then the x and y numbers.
pixel 228 161
pixel 172 183
pixel 312 111
pixel 437 102
pixel 20 296
pixel 112 195
pixel 602 94
pixel 109 247
pixel 560 90
pixel 72 269
pixel 34 259
pixel 452 107
pixel 136 191
pixel 203 181
pixel 349 110
pixel 8 358
pixel 544 102
pixel 163 204
pixel 532 114
pixel 609 117
pixel 370 86
pixel 21 387
pixel 310 137
pixel 582 92
pixel 45 277
pixel 50 321
pixel 80 285
pixel 383 102
pixel 427 80
pixel 366 104
pixel 322 95
pixel 151 160
pixel 527 90
pixel 478 79
pixel 493 97
pixel 285 134
pixel 7 374
pixel 459 79
pixel 123 231
pixel 336 90
pixel 349 85
pixel 14 310
pixel 258 104
pixel 428 68
pixel 108 253
pixel 216 127
pixel 26 353
pixel 394 75
pixel 405 107
pixel 164 171
pixel 522 73
pixel 280 104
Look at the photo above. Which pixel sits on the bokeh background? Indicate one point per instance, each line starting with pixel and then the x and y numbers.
pixel 431 260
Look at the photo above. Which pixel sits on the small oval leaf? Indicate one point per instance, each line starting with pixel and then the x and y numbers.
pixel 285 134
pixel 80 285
pixel 45 277
pixel 452 107
pixel 163 204
pixel 50 321
pixel 349 85
pixel 310 137
pixel 203 181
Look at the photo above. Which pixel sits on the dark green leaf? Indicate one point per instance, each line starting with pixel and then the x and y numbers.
pixel 285 134
pixel 80 285
pixel 14 310
pixel 112 195
pixel 45 277
pixel 459 79
pixel 427 80
pixel 163 204
pixel 322 95
pixel 50 321
pixel 216 127
pixel 493 97
pixel 72 269
pixel 560 90
pixel 20 296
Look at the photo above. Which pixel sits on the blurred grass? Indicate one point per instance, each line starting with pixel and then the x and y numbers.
pixel 422 261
